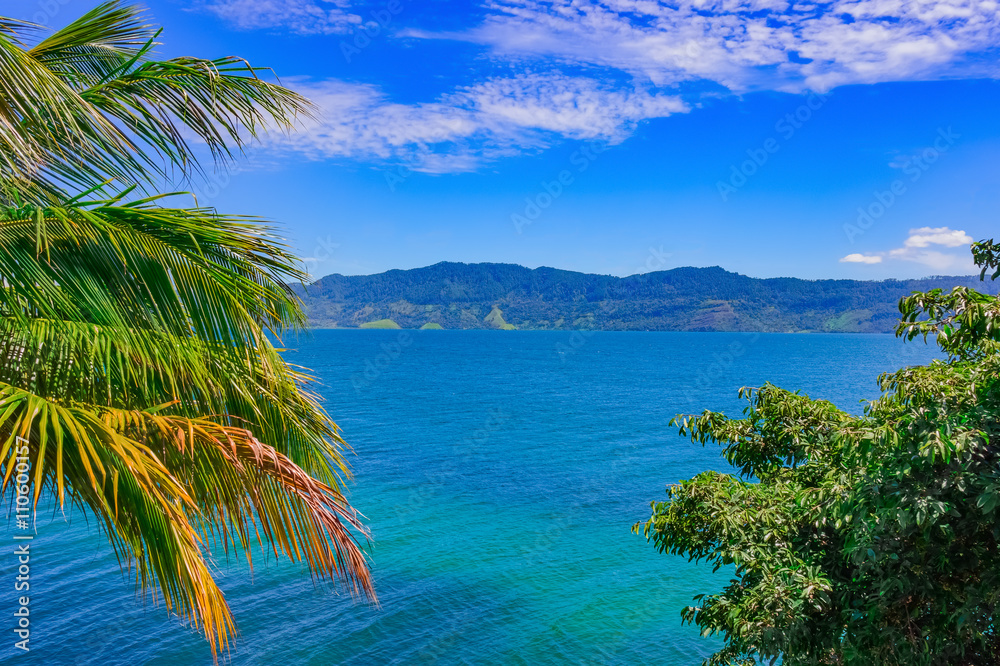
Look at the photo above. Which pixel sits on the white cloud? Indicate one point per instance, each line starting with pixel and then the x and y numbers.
pixel 917 248
pixel 739 45
pixel 857 258
pixel 305 17
pixel 572 107
pixel 925 236
pixel 461 130
pixel 750 44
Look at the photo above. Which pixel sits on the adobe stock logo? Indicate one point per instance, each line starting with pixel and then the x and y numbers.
pixel 551 190
pixel 914 167
pixel 363 36
pixel 48 10
pixel 786 127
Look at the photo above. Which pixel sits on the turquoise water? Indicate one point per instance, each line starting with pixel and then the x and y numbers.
pixel 501 473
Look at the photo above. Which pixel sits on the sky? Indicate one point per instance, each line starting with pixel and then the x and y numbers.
pixel 849 139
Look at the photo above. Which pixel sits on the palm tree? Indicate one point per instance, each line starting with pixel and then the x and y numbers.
pixel 135 338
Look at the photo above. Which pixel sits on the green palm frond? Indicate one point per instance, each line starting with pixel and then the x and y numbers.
pixel 96 45
pixel 13 27
pixel 89 102
pixel 221 101
pixel 43 121
pixel 95 364
pixel 136 340
pixel 112 309
pixel 220 278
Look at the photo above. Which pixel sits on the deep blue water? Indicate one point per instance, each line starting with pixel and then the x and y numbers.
pixel 501 473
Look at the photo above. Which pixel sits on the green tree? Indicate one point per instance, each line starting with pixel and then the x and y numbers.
pixel 135 338
pixel 867 539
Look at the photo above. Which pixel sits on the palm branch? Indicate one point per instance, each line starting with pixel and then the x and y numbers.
pixel 136 352
pixel 89 102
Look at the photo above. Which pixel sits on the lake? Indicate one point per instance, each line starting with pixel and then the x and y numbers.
pixel 501 473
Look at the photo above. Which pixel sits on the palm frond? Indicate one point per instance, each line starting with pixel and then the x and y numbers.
pixel 137 266
pixel 242 485
pixel 136 352
pixel 222 102
pixel 89 102
pixel 97 45
pixel 253 389
pixel 142 507
pixel 44 121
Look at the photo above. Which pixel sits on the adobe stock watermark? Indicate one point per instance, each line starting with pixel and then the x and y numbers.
pixel 374 367
pixel 915 167
pixel 212 185
pixel 656 260
pixel 48 10
pixel 462 454
pixel 786 127
pixel 550 190
pixel 322 253
pixel 632 620
pixel 722 365
pixel 397 176
pixel 579 337
pixel 575 342
pixel 366 32
pixel 547 538
pixel 22 549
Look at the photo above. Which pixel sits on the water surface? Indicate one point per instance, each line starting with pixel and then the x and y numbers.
pixel 501 473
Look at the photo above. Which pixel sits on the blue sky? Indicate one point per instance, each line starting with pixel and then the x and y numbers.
pixel 847 139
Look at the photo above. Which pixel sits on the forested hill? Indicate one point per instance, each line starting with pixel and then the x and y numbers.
pixel 455 295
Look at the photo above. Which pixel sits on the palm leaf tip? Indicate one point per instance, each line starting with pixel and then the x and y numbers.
pixel 243 485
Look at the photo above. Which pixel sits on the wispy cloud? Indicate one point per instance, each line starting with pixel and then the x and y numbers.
pixel 918 247
pixel 462 130
pixel 749 44
pixel 640 51
pixel 304 17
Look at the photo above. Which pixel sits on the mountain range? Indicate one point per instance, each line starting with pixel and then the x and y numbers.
pixel 507 296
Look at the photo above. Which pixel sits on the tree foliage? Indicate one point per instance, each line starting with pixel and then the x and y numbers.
pixel 135 338
pixel 871 539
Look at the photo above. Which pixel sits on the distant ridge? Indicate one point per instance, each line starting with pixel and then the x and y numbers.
pixel 485 296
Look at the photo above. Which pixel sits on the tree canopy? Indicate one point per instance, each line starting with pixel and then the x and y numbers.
pixel 871 539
